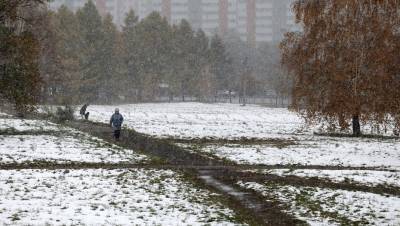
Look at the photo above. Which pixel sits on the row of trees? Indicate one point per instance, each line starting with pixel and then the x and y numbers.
pixel 86 58
pixel 346 62
pixel 67 57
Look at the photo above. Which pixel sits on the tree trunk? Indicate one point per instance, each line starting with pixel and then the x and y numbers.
pixel 356 125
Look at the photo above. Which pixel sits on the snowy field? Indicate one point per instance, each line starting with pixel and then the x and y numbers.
pixel 62 149
pixel 286 142
pixel 22 125
pixel 320 206
pixel 105 197
pixel 197 120
pixel 228 121
pixel 314 150
pixel 92 196
pixel 281 138
pixel 58 145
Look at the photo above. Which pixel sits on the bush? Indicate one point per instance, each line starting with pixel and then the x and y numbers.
pixel 65 113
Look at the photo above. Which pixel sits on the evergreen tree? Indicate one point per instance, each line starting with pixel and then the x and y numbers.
pixel 220 63
pixel 65 85
pixel 200 67
pixel 91 45
pixel 110 61
pixel 153 51
pixel 20 80
pixel 49 66
pixel 185 58
pixel 130 56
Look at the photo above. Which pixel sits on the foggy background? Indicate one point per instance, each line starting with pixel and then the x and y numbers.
pixel 250 30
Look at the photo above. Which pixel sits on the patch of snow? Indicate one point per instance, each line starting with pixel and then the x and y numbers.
pixel 2 114
pixel 365 177
pixel 60 146
pixel 315 150
pixel 318 206
pixel 106 197
pixel 22 125
pixel 61 149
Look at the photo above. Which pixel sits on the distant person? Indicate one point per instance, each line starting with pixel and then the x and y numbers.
pixel 116 123
pixel 83 112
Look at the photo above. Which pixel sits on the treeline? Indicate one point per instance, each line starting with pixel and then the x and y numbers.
pixel 86 58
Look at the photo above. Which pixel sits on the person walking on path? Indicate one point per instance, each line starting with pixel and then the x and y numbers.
pixel 83 112
pixel 116 123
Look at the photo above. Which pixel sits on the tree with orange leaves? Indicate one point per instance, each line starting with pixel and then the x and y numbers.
pixel 346 61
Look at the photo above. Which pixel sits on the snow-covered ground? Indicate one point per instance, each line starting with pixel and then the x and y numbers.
pixel 2 114
pixel 228 121
pixel 92 196
pixel 315 150
pixel 62 149
pixel 320 206
pixel 60 145
pixel 364 177
pixel 21 125
pixel 197 120
pixel 105 197
pixel 286 141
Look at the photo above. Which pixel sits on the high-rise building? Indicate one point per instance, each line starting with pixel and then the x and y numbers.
pixel 223 17
pixel 255 21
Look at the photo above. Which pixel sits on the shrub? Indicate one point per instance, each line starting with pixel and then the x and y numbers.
pixel 65 113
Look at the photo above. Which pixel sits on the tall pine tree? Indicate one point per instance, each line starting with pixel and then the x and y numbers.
pixel 220 63
pixel 153 49
pixel 110 58
pixel 130 56
pixel 91 47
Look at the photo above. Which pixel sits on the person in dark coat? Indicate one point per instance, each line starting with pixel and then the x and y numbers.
pixel 83 112
pixel 116 123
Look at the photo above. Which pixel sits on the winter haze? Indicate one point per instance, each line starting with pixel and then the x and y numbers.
pixel 199 112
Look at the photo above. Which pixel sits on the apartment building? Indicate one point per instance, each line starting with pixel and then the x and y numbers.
pixel 255 21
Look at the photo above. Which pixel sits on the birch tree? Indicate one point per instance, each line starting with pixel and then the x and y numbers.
pixel 346 61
